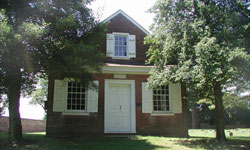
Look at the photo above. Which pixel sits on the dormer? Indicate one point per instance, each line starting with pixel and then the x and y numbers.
pixel 124 39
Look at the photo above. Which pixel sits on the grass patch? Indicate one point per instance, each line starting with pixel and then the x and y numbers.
pixel 199 139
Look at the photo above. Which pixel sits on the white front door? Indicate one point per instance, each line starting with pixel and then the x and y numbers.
pixel 118 107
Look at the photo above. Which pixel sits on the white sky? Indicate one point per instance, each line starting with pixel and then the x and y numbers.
pixel 136 9
pixel 29 111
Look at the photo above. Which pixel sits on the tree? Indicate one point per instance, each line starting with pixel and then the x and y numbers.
pixel 202 43
pixel 54 38
pixel 16 76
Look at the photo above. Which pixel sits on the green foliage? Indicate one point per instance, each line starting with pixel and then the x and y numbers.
pixel 70 46
pixel 204 44
pixel 237 110
pixel 46 38
pixel 203 50
pixel 40 94
pixel 4 28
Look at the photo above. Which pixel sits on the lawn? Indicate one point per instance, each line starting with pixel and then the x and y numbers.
pixel 199 139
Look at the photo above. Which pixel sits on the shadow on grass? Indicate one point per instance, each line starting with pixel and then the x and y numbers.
pixel 235 143
pixel 40 142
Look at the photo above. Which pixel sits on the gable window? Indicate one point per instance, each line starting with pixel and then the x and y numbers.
pixel 76 99
pixel 121 45
pixel 161 101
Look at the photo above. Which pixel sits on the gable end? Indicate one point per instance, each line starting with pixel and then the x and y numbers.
pixel 127 17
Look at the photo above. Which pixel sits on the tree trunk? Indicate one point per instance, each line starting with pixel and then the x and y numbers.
pixel 219 113
pixel 14 89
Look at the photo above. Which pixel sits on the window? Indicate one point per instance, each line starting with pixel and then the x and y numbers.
pixel 161 101
pixel 76 99
pixel 121 45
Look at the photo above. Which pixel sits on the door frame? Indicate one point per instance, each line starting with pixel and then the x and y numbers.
pixel 132 103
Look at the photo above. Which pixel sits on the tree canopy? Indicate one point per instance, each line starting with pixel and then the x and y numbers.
pixel 47 38
pixel 203 43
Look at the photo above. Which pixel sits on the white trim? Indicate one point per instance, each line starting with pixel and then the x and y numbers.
pixel 70 111
pixel 133 111
pixel 125 69
pixel 120 76
pixel 129 18
pixel 159 113
pixel 76 113
pixel 120 33
pixel 162 114
pixel 121 57
pixel 127 36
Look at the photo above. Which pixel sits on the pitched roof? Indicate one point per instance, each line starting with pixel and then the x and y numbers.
pixel 128 17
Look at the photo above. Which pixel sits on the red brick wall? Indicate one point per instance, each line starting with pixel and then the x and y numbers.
pixel 28 125
pixel 60 125
pixel 123 25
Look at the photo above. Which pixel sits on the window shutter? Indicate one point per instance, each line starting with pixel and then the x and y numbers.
pixel 176 97
pixel 60 95
pixel 92 100
pixel 147 99
pixel 131 46
pixel 110 45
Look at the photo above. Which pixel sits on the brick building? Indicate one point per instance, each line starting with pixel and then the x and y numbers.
pixel 122 104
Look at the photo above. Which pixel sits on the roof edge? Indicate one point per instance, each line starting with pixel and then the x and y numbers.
pixel 128 17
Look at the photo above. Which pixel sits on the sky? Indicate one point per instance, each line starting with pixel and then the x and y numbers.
pixel 136 9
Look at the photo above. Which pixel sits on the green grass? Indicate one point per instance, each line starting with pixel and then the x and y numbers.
pixel 199 139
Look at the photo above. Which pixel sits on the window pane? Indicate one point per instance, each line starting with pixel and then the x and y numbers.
pixel 161 99
pixel 120 45
pixel 78 102
pixel 120 52
pixel 76 96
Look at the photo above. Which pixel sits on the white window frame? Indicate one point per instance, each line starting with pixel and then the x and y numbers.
pixel 76 111
pixel 155 112
pixel 127 36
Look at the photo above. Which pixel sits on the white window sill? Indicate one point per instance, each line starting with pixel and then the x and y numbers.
pixel 76 113
pixel 124 58
pixel 162 114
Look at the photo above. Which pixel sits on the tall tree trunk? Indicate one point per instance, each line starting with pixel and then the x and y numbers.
pixel 14 89
pixel 219 113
